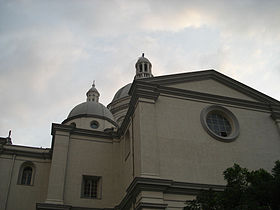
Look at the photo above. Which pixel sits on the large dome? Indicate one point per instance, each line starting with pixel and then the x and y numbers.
pixel 90 109
pixel 123 92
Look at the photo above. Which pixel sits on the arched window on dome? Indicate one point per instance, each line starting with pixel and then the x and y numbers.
pixel 146 67
pixel 140 67
pixel 26 174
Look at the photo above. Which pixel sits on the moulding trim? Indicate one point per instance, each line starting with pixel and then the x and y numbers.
pixel 45 154
pixel 90 116
pixel 162 185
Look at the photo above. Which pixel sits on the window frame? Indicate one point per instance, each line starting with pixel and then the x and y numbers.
pixel 96 123
pixel 21 173
pixel 98 180
pixel 235 130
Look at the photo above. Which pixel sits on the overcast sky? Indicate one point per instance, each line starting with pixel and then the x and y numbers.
pixel 50 51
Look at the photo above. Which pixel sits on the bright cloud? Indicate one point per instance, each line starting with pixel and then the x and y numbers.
pixel 50 51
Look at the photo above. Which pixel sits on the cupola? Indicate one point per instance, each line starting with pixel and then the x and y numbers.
pixel 143 68
pixel 93 94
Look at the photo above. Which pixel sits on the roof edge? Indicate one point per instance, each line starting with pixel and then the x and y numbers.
pixel 88 116
pixel 212 74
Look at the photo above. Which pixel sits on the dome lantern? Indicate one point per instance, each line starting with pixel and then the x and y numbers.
pixel 93 94
pixel 143 68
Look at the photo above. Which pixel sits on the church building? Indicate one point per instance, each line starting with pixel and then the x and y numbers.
pixel 158 143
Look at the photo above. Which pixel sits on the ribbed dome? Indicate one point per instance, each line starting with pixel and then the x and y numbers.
pixel 123 92
pixel 91 108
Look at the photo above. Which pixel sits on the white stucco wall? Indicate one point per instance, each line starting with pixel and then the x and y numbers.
pixel 187 153
pixel 22 197
pixel 85 122
pixel 97 157
pixel 213 87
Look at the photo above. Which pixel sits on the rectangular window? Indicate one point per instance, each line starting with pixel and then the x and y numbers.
pixel 91 187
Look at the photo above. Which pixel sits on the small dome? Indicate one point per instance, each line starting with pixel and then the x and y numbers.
pixel 123 92
pixel 143 60
pixel 93 94
pixel 143 68
pixel 90 108
pixel 92 90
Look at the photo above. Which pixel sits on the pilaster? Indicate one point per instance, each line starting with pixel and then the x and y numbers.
pixel 150 163
pixel 276 117
pixel 58 168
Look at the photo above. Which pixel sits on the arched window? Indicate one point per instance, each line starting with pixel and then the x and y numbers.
pixel 26 174
pixel 140 67
pixel 146 67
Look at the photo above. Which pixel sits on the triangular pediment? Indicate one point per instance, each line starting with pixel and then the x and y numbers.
pixel 214 83
pixel 211 86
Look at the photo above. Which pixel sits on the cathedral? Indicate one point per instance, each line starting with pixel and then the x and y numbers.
pixel 158 143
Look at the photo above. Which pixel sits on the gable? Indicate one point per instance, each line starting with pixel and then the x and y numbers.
pixel 211 86
pixel 211 82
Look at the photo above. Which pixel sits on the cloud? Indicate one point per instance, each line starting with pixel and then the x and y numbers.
pixel 50 51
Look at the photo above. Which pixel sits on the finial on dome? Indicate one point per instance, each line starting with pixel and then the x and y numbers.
pixel 143 68
pixel 93 94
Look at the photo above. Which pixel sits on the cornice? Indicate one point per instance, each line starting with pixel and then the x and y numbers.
pixel 211 74
pixel 50 206
pixel 165 186
pixel 26 151
pixel 119 108
pixel 188 94
pixel 83 132
pixel 142 205
pixel 147 88
pixel 138 90
pixel 88 116
pixel 113 103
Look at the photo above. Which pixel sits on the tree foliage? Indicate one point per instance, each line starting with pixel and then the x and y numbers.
pixel 245 190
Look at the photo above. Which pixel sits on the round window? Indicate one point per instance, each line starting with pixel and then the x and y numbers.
pixel 94 124
pixel 73 124
pixel 220 123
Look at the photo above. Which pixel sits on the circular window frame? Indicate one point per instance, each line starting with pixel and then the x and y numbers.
pixel 94 122
pixel 226 114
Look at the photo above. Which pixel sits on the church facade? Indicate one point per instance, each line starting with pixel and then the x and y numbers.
pixel 157 144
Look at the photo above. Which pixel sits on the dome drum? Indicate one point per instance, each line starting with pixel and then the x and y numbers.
pixel 90 116
pixel 91 122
